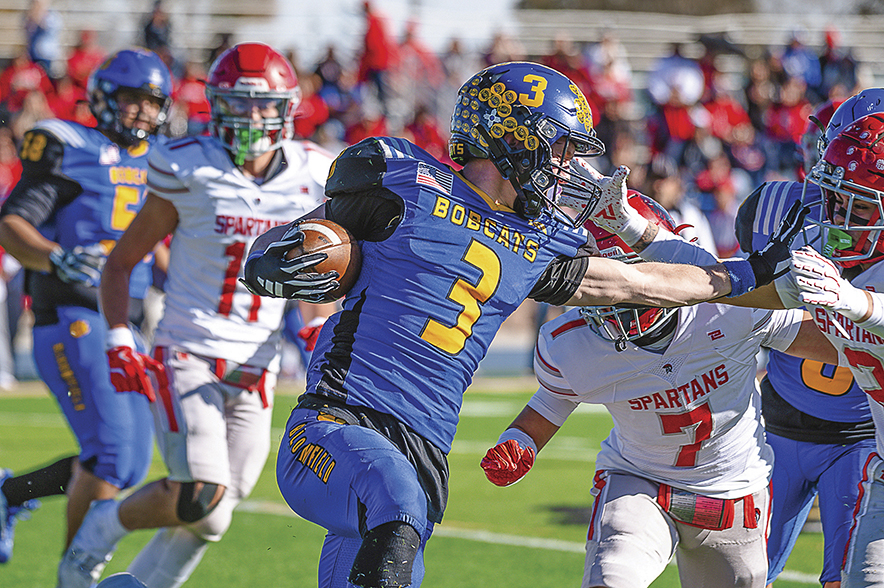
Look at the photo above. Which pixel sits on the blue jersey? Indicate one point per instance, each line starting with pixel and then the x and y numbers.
pixel 432 293
pixel 78 188
pixel 823 391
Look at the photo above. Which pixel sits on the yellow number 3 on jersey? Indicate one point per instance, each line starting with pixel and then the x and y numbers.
pixel 452 339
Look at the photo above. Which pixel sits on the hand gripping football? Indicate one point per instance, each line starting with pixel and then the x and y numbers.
pixel 344 255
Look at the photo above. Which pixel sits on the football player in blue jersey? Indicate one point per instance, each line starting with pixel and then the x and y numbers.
pixel 447 256
pixel 817 418
pixel 80 188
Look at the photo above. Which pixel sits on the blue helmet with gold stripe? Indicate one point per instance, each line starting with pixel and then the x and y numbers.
pixel 513 113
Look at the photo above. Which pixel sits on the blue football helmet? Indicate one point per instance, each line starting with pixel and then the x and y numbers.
pixel 139 70
pixel 512 113
pixel 868 101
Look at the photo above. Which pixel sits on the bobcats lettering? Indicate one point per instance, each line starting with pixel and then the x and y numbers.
pixel 128 175
pixel 498 234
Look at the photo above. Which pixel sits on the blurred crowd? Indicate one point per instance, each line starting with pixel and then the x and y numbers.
pixel 698 139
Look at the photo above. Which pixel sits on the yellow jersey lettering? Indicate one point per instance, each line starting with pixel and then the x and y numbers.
pixel 458 215
pixel 490 227
pixel 531 250
pixel 504 236
pixel 474 223
pixel 517 241
pixel 67 374
pixel 441 209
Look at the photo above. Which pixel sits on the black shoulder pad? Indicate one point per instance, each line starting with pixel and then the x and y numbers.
pixel 746 219
pixel 41 153
pixel 359 167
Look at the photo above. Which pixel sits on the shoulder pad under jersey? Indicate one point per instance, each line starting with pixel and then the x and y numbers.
pixel 359 167
pixel 42 150
pixel 761 213
pixel 746 219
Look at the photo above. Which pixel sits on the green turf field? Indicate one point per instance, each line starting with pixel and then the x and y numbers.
pixel 527 535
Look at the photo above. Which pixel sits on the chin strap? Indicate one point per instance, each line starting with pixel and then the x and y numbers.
pixel 500 157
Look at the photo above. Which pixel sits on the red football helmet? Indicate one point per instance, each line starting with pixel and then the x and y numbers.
pixel 851 180
pixel 253 92
pixel 628 324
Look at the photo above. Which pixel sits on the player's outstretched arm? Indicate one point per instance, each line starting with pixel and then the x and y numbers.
pixel 129 367
pixel 507 462
pixel 608 281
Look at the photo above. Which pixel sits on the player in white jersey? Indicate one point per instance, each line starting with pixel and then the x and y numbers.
pixel 841 285
pixel 217 346
pixel 685 469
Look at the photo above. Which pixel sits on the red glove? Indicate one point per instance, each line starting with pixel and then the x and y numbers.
pixel 129 372
pixel 310 333
pixel 506 463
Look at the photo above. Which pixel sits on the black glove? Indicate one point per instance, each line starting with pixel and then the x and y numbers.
pixel 80 265
pixel 271 274
pixel 774 260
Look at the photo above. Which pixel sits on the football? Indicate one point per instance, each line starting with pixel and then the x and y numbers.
pixel 344 255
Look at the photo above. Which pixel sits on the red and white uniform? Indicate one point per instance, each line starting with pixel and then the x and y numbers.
pixel 220 214
pixel 863 353
pixel 688 417
pixel 219 343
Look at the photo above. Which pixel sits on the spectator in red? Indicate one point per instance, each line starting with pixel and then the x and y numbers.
pixel 86 56
pixel 785 120
pixel 312 112
pixel 419 73
pixel 726 112
pixel 63 102
pixel 190 97
pixel 424 131
pixel 378 55
pixel 10 164
pixel 567 60
pixel 19 78
pixel 370 123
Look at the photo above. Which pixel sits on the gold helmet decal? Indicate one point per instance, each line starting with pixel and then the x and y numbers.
pixel 584 112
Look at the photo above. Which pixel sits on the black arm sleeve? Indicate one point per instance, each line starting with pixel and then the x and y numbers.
pixel 42 188
pixel 562 278
pixel 369 216
pixel 358 201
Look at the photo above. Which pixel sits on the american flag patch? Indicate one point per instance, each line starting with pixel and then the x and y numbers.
pixel 435 178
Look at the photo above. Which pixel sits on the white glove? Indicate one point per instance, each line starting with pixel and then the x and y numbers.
pixel 582 189
pixel 820 284
pixel 613 212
